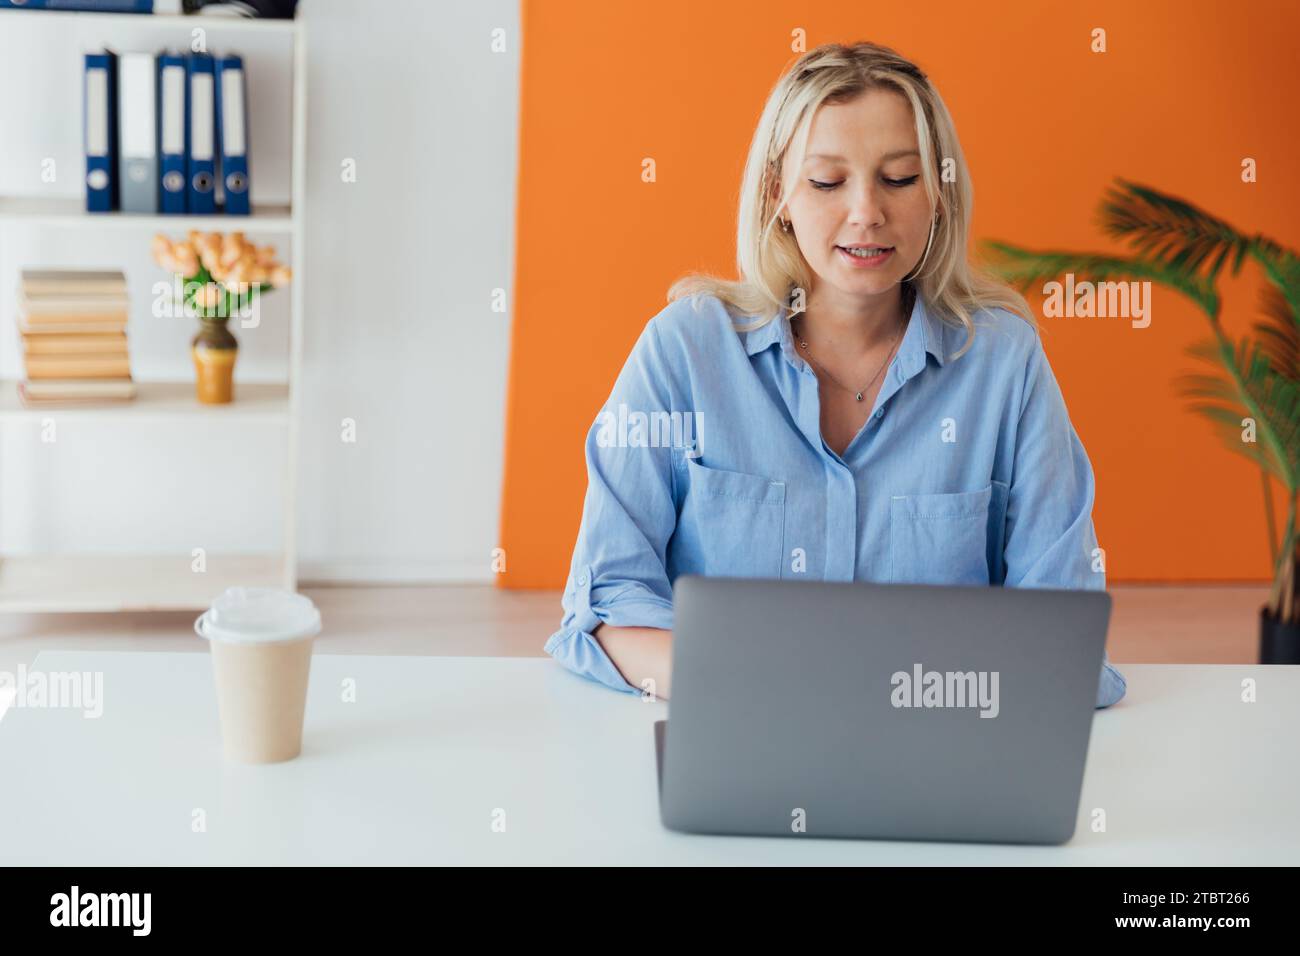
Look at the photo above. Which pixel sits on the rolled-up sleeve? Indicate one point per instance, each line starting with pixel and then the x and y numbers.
pixel 1050 538
pixel 618 572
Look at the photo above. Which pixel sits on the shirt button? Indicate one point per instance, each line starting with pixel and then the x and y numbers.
pixel 880 412
pixel 582 579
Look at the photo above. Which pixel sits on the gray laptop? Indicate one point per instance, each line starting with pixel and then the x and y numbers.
pixel 902 712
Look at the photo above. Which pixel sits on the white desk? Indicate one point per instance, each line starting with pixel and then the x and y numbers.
pixel 412 773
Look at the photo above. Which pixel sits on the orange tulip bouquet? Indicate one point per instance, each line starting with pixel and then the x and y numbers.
pixel 222 276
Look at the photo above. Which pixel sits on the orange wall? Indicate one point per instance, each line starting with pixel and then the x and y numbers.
pixel 1186 91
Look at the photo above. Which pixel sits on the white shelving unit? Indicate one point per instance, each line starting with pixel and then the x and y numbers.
pixel 147 581
pixel 226 25
pixel 71 213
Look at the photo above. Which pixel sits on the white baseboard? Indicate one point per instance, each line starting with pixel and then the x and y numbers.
pixel 325 573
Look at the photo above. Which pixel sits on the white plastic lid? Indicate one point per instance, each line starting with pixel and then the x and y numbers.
pixel 255 615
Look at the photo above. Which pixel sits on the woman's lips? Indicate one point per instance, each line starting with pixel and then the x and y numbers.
pixel 865 262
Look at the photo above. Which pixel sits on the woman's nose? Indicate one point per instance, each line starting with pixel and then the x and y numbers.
pixel 866 205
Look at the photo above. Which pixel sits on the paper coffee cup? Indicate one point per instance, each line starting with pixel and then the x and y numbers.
pixel 261 641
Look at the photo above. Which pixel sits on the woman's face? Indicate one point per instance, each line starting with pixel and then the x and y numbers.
pixel 860 185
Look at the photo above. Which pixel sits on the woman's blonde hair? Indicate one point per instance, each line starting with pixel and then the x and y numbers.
pixel 768 259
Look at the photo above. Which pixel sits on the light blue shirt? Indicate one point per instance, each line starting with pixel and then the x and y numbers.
pixel 708 459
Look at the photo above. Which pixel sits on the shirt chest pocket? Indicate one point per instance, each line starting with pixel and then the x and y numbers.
pixel 731 524
pixel 940 539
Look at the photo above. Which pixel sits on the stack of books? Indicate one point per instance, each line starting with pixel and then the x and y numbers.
pixel 73 325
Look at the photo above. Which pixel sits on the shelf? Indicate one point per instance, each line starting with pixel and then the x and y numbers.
pixel 159 20
pixel 161 400
pixel 128 582
pixel 71 212
pixel 72 581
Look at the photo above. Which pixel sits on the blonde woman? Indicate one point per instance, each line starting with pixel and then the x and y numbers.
pixel 861 404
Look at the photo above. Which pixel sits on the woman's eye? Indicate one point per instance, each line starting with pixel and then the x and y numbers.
pixel 897 183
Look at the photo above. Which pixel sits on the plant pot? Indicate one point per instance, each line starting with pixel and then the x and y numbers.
pixel 1279 642
pixel 214 351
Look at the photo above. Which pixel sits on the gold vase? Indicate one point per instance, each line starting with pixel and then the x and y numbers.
pixel 214 351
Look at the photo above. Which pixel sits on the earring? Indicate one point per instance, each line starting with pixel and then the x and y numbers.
pixel 920 265
pixel 785 224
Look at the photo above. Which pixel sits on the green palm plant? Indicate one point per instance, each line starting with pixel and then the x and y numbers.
pixel 1252 396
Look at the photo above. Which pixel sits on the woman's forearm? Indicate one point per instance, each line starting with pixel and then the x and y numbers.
pixel 641 654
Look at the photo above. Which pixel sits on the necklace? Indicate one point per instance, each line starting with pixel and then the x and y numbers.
pixel 857 393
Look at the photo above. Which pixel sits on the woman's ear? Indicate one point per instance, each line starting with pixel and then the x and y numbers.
pixel 774 185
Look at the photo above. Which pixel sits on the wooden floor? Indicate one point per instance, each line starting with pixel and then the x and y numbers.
pixel 1150 624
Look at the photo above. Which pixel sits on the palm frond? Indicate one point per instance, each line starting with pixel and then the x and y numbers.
pixel 1279 332
pixel 1185 248
pixel 1252 388
pixel 1282 267
pixel 1171 231
pixel 1226 423
pixel 1028 268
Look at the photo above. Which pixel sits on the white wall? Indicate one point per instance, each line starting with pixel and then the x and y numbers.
pixel 399 334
